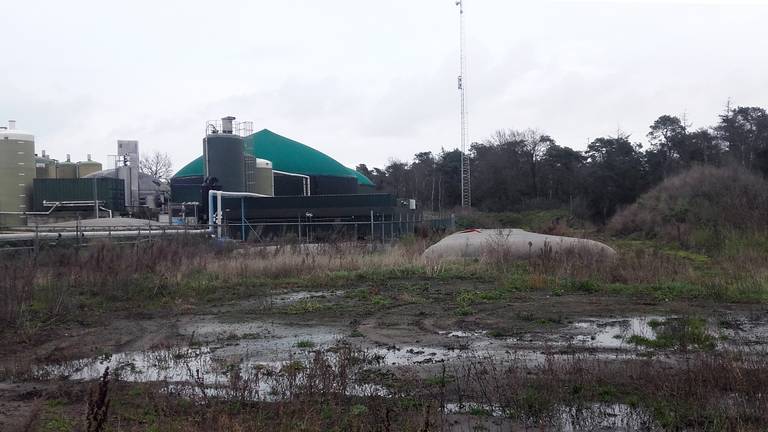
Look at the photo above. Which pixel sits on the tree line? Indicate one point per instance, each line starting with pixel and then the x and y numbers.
pixel 516 170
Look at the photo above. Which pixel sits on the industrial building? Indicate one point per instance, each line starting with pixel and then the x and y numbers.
pixel 244 183
pixel 38 189
pixel 293 165
pixel 276 184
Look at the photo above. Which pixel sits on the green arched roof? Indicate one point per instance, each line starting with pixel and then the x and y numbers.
pixel 286 155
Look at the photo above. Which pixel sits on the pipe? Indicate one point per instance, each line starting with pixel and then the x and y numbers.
pixel 307 183
pixel 220 195
pixel 242 219
pixel 33 213
pixel 70 203
pixel 218 213
pixel 88 234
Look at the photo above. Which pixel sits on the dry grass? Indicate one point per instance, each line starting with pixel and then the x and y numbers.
pixel 294 261
pixel 629 267
pixel 709 391
pixel 50 284
pixel 106 276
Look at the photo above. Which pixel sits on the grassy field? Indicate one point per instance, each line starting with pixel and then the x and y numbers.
pixel 680 379
pixel 65 284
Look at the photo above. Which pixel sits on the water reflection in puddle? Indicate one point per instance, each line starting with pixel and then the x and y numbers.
pixel 217 346
pixel 463 334
pixel 595 416
pixel 614 333
pixel 290 298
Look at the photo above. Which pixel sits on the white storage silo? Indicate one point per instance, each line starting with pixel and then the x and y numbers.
pixel 17 172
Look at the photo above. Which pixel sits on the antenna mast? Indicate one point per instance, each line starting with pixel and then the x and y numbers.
pixel 466 189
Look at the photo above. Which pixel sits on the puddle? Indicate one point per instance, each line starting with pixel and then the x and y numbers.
pixel 604 417
pixel 249 344
pixel 287 299
pixel 267 302
pixel 474 408
pixel 177 364
pixel 217 347
pixel 614 333
pixel 729 332
pixel 743 332
pixel 463 334
pixel 413 355
pixel 597 416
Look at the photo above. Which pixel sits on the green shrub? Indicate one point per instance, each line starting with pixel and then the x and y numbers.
pixel 699 208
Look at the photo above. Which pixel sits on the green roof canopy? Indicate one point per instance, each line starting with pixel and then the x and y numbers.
pixel 286 155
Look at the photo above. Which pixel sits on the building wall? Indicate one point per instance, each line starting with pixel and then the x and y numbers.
pixel 107 189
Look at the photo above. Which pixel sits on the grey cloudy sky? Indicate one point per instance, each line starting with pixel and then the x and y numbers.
pixel 364 80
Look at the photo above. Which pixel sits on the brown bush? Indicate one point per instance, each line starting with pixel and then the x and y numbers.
pixel 701 199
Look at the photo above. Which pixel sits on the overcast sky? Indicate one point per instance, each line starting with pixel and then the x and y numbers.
pixel 366 81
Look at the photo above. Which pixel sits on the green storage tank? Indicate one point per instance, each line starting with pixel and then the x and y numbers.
pixel 224 161
pixel 286 155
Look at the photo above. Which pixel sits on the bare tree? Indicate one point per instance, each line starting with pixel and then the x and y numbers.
pixel 530 144
pixel 158 165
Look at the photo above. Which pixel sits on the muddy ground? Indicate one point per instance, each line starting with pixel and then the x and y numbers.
pixel 408 324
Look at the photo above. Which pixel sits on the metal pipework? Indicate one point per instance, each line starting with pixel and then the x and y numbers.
pixel 307 191
pixel 56 204
pixel 92 234
pixel 219 195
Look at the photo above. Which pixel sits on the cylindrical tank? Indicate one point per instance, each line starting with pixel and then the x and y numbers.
pixel 17 173
pixel 45 167
pixel 225 161
pixel 258 176
pixel 265 183
pixel 87 167
pixel 50 166
pixel 66 169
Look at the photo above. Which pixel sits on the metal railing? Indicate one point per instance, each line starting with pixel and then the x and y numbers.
pixel 377 228
pixel 26 237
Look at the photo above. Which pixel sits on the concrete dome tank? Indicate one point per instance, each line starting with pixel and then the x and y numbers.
pixel 224 157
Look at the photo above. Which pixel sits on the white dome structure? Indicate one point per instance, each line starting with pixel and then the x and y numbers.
pixel 516 243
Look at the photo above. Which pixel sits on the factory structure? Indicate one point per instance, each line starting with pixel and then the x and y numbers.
pixel 244 184
pixel 38 189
